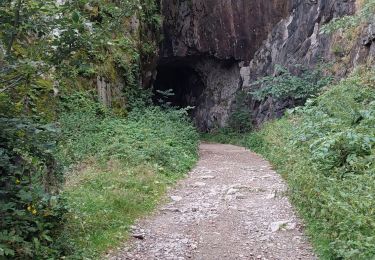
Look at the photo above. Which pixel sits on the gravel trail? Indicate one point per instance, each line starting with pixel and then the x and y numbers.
pixel 232 205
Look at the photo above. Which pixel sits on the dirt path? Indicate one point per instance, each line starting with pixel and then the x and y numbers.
pixel 231 206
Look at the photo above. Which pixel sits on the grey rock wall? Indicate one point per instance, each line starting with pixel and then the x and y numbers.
pixel 222 80
pixel 296 39
pixel 253 37
pixel 224 29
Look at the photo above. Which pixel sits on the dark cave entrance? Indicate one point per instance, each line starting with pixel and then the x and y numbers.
pixel 178 85
pixel 207 84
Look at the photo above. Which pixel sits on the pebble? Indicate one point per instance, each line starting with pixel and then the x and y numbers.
pixel 207 177
pixel 240 196
pixel 138 236
pixel 199 184
pixel 171 209
pixel 232 191
pixel 176 198
pixel 284 224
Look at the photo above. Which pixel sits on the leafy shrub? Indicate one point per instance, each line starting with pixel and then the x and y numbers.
pixel 325 151
pixel 363 15
pixel 49 47
pixel 286 85
pixel 31 209
pixel 147 134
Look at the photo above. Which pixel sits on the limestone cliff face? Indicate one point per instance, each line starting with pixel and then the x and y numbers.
pixel 296 39
pixel 224 29
pixel 250 38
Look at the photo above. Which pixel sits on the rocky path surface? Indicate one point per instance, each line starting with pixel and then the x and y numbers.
pixel 231 206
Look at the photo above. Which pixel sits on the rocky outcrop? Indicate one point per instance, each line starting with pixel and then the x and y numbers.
pixel 212 37
pixel 368 45
pixel 222 83
pixel 225 29
pixel 254 37
pixel 297 39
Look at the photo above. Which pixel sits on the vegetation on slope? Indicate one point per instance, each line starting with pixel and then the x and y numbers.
pixel 326 152
pixel 365 11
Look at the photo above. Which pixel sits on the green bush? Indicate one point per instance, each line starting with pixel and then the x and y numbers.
pixel 326 152
pixel 288 85
pixel 30 208
pixel 146 135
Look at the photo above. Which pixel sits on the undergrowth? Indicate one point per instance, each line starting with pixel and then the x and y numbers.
pixel 325 151
pixel 49 50
pixel 31 209
pixel 125 165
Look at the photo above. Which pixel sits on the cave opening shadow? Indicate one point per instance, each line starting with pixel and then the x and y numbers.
pixel 185 84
